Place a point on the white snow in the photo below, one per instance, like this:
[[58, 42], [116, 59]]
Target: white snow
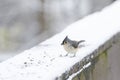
[[43, 62]]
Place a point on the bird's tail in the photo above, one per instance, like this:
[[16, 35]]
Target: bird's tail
[[81, 41]]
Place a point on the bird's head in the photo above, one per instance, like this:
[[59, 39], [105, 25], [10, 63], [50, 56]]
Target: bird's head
[[64, 41]]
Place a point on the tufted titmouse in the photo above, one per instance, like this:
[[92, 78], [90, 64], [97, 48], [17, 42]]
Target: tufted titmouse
[[71, 46]]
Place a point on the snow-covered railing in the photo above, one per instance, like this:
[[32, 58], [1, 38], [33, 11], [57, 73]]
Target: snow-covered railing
[[101, 64], [44, 61]]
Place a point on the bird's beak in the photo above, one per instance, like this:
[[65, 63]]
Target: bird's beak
[[62, 43]]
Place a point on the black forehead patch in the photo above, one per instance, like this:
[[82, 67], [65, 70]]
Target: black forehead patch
[[65, 39]]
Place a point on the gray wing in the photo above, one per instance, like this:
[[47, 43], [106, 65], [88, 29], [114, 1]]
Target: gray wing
[[75, 44]]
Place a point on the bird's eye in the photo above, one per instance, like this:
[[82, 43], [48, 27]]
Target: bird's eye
[[65, 42]]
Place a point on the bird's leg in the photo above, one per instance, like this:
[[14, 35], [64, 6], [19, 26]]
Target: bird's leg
[[67, 54], [74, 55]]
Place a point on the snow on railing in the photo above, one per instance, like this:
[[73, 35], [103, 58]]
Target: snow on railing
[[44, 61]]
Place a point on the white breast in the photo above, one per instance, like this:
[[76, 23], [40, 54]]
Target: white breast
[[70, 49]]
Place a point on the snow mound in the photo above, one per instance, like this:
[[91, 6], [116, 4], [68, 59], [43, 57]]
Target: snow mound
[[44, 62]]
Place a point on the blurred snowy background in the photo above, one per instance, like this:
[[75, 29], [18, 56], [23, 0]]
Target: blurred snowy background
[[25, 23]]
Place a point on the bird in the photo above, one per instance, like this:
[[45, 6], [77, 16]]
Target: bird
[[71, 46]]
